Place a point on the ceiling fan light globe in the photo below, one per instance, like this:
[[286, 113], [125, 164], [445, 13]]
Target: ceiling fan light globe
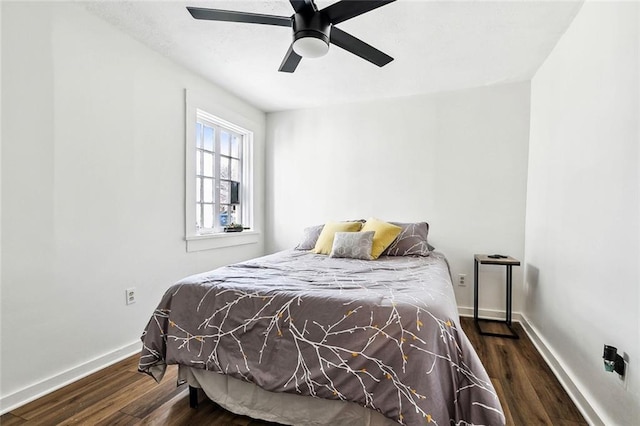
[[310, 47]]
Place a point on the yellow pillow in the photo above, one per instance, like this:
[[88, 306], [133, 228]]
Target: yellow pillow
[[325, 240], [385, 234]]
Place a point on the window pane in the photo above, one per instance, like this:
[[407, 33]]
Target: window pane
[[208, 216], [235, 147], [225, 141], [235, 170], [224, 192], [208, 191], [224, 167], [208, 138], [199, 135], [220, 168], [224, 216], [208, 164], [198, 216]]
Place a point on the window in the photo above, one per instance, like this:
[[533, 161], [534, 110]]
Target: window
[[219, 175]]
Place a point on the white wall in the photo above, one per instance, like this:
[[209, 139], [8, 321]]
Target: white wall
[[582, 228], [456, 160], [92, 191]]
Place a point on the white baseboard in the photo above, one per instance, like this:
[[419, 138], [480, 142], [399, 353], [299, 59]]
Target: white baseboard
[[40, 389], [487, 313]]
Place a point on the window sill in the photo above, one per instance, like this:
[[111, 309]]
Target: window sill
[[221, 240]]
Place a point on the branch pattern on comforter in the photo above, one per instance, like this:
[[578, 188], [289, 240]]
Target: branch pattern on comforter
[[384, 334]]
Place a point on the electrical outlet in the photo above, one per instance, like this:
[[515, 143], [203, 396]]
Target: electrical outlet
[[130, 293], [462, 280]]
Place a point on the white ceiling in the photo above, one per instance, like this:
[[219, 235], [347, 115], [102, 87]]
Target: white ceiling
[[437, 46]]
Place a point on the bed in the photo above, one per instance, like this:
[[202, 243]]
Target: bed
[[303, 338]]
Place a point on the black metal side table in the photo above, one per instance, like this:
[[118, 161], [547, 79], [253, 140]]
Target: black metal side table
[[509, 262]]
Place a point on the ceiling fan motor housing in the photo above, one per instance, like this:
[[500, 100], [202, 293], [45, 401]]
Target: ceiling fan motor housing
[[315, 26]]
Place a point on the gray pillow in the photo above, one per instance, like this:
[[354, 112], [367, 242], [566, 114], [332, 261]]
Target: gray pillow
[[312, 233], [412, 240], [354, 245], [310, 237]]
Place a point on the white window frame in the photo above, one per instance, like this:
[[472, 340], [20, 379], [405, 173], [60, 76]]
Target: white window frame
[[246, 138], [196, 106]]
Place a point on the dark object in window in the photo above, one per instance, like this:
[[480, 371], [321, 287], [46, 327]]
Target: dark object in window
[[235, 192]]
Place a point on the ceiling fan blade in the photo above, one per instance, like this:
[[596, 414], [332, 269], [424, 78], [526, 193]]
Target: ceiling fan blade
[[359, 47], [290, 61], [347, 9], [301, 5], [232, 16]]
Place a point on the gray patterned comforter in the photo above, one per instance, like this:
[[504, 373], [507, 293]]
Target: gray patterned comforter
[[384, 334]]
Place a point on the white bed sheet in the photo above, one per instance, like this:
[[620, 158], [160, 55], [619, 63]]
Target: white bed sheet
[[249, 400]]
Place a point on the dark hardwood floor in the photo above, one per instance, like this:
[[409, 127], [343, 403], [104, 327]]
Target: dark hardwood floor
[[119, 395], [529, 392]]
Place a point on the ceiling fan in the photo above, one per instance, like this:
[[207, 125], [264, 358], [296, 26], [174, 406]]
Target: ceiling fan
[[313, 29]]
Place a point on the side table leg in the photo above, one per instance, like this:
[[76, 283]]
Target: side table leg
[[475, 290], [509, 290]]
